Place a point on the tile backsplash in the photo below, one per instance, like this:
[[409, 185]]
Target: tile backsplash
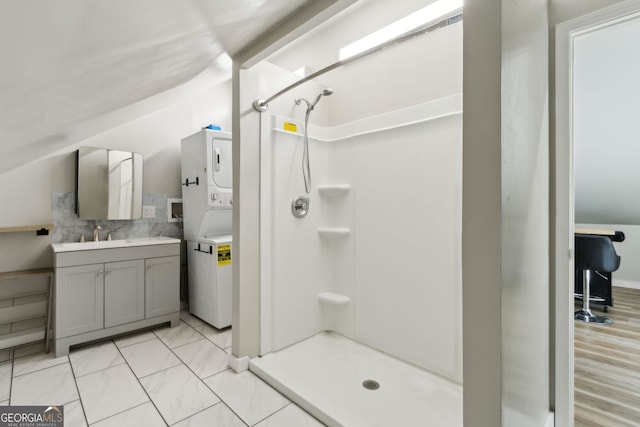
[[67, 227]]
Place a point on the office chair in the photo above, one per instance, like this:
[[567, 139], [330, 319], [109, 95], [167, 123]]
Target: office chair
[[593, 253]]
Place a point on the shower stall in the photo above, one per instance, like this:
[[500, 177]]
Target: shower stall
[[360, 299], [354, 305], [354, 311]]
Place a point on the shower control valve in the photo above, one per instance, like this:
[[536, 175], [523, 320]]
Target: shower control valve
[[300, 206]]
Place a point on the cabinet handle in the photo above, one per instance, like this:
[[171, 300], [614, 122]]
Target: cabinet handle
[[149, 267], [100, 272], [108, 270]]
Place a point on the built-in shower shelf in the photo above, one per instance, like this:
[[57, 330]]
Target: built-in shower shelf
[[334, 190], [334, 232], [333, 298]]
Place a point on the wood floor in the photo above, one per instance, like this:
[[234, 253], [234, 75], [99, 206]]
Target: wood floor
[[607, 365]]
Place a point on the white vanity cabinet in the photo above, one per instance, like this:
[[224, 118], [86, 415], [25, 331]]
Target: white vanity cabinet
[[105, 290]]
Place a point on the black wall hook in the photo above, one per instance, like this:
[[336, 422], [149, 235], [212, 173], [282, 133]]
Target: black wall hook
[[187, 183], [210, 251], [42, 232]]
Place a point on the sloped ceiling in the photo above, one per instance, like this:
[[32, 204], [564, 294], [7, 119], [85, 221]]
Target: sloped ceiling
[[69, 62]]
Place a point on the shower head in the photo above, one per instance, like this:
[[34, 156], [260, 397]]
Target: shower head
[[310, 105], [325, 92]]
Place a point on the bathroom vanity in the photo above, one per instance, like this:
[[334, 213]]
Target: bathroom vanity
[[111, 287]]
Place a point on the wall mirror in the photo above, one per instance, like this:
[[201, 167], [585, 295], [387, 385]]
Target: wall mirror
[[108, 184]]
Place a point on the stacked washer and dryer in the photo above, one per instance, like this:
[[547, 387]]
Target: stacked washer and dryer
[[207, 214]]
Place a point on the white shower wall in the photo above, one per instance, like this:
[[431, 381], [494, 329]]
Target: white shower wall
[[299, 263], [408, 221], [400, 264]]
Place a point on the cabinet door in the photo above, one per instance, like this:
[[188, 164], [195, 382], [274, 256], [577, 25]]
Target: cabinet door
[[123, 292], [79, 299], [162, 285]]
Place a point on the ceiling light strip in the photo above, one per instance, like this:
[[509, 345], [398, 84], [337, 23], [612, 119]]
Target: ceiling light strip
[[424, 17]]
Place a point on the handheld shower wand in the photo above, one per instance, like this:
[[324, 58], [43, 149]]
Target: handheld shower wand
[[306, 168], [300, 205]]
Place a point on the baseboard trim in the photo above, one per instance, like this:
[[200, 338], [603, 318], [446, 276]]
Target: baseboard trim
[[626, 284], [238, 364]]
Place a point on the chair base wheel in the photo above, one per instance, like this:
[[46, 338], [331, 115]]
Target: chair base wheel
[[588, 317]]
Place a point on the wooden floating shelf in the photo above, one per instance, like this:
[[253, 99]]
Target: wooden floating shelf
[[334, 232], [333, 298], [40, 229], [334, 190]]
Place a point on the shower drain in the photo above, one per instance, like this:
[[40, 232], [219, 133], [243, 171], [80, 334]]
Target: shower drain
[[371, 384]]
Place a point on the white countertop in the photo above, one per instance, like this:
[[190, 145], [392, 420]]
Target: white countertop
[[108, 244]]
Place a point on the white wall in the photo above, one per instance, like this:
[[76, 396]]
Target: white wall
[[425, 68], [607, 177], [258, 82], [27, 189], [481, 215], [525, 219], [505, 214], [408, 216], [301, 263]]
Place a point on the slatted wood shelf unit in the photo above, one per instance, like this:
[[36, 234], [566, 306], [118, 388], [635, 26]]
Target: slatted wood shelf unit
[[13, 285]]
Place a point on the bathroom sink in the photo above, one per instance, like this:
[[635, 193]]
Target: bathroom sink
[[105, 244]]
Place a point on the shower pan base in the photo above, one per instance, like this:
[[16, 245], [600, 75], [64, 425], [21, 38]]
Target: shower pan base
[[344, 383]]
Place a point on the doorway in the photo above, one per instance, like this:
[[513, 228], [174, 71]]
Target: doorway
[[567, 34]]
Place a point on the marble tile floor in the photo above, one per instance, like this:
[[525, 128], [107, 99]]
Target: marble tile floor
[[166, 376]]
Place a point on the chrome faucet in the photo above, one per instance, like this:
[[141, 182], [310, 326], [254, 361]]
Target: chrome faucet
[[96, 234]]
